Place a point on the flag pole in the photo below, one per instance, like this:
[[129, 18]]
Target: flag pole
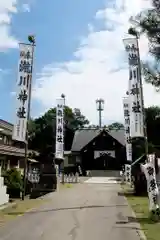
[[64, 97], [31, 39]]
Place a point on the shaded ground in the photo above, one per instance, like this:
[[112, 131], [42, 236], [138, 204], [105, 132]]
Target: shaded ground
[[83, 212], [139, 204]]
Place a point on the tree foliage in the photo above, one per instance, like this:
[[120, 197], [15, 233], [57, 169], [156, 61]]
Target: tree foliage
[[115, 126], [153, 125], [93, 126], [153, 133], [42, 130], [148, 23], [13, 181]]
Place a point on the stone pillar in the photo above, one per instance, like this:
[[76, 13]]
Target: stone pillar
[[4, 197]]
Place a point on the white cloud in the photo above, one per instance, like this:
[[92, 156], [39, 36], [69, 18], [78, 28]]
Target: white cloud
[[25, 7], [4, 71], [13, 94], [100, 68], [7, 8]]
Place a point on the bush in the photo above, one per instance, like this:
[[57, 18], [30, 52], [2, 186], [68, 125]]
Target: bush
[[13, 181]]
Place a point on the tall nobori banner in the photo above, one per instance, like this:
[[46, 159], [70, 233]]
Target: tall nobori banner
[[135, 85], [23, 91], [126, 109], [153, 192], [60, 129]]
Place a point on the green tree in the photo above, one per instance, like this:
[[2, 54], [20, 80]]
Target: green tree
[[42, 130], [13, 181], [148, 23], [153, 133], [153, 125], [93, 126], [116, 126]]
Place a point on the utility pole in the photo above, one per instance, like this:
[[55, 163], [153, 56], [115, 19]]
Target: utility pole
[[100, 108]]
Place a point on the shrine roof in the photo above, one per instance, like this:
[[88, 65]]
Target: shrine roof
[[83, 136]]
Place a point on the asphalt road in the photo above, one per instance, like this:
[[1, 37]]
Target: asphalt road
[[84, 212]]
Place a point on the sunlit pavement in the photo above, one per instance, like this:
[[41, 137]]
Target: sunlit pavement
[[86, 211], [101, 180]]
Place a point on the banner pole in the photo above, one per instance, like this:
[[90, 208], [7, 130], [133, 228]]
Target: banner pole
[[28, 118]]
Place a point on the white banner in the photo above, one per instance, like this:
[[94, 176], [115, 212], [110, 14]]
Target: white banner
[[128, 173], [153, 192], [129, 152], [98, 154], [23, 91], [151, 158], [126, 109], [60, 129], [135, 96]]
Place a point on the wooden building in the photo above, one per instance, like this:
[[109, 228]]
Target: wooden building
[[11, 152], [96, 149]]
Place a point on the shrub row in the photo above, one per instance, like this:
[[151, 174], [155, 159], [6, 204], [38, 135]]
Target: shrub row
[[14, 182]]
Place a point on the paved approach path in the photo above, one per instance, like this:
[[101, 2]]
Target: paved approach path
[[101, 180], [84, 212]]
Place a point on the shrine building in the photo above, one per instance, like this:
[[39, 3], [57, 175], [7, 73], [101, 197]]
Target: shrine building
[[96, 149]]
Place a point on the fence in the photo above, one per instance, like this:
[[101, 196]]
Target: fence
[[70, 178]]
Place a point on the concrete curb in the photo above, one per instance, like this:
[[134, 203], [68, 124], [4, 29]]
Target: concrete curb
[[140, 232], [7, 205]]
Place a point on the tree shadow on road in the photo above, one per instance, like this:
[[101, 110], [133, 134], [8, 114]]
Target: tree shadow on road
[[127, 194], [128, 227], [130, 194], [141, 220]]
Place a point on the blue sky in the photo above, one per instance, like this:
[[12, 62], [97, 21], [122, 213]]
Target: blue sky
[[79, 52], [58, 26]]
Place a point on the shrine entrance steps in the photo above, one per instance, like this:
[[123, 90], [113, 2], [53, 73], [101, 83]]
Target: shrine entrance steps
[[104, 177], [105, 173], [102, 180]]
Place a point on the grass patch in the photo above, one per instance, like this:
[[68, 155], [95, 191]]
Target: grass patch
[[66, 185], [139, 205], [18, 208]]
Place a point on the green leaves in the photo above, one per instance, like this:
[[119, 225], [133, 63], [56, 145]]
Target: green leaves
[[42, 131], [31, 39], [148, 23], [13, 179], [153, 125], [132, 31], [115, 125], [151, 74]]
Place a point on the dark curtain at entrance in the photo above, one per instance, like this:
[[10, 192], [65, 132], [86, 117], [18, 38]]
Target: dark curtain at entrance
[[87, 159], [104, 163]]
